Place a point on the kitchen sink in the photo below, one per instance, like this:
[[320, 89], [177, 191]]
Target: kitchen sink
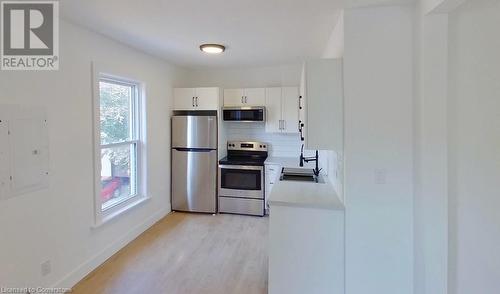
[[299, 175]]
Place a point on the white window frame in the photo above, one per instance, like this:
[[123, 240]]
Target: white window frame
[[139, 126]]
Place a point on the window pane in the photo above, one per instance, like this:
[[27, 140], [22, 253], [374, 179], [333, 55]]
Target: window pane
[[118, 174], [116, 112]]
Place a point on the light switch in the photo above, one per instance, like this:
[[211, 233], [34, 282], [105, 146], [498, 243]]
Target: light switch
[[380, 176]]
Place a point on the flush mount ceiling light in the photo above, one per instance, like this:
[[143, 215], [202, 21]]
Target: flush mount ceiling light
[[212, 48]]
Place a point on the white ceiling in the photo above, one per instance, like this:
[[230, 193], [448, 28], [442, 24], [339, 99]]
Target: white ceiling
[[255, 32]]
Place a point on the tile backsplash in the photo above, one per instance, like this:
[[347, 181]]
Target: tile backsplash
[[283, 145]]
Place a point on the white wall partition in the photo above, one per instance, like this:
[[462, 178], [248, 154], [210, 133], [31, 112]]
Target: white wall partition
[[474, 148], [431, 153], [378, 73]]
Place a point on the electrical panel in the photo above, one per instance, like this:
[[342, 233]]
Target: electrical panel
[[4, 157], [24, 150]]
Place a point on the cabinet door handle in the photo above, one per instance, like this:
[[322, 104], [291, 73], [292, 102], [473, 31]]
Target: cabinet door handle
[[242, 100], [192, 100], [246, 99], [300, 102], [279, 125], [197, 101], [284, 124]]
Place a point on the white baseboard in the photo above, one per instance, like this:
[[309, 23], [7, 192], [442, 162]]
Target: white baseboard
[[87, 267]]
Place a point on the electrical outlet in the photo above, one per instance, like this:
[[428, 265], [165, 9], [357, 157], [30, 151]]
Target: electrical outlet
[[45, 268]]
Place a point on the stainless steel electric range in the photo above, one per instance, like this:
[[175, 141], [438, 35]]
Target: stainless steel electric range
[[241, 178]]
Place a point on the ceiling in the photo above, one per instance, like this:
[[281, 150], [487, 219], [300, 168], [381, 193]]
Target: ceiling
[[255, 32]]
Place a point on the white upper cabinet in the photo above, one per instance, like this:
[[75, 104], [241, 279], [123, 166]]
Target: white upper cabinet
[[234, 97], [282, 110], [290, 109], [255, 96], [196, 98], [245, 97], [184, 98], [322, 104], [273, 110], [302, 109], [207, 98]]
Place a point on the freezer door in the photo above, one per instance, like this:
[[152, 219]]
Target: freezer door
[[194, 132], [194, 177]]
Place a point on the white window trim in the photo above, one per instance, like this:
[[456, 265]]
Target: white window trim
[[100, 216]]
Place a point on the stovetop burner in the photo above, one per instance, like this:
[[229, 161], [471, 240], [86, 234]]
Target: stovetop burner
[[245, 153]]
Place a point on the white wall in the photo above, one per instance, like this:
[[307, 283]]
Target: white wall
[[334, 158], [429, 5], [55, 224], [378, 73], [439, 6], [474, 148], [431, 153], [272, 76], [335, 46]]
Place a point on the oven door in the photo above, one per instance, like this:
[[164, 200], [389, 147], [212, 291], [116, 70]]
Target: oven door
[[241, 181]]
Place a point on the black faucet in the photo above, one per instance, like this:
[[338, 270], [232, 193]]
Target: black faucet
[[308, 159]]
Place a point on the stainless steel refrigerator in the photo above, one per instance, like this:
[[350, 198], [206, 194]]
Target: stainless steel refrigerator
[[194, 162]]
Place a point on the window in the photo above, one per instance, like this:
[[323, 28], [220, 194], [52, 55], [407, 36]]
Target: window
[[118, 166]]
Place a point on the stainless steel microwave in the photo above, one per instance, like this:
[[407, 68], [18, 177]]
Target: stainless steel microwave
[[244, 114]]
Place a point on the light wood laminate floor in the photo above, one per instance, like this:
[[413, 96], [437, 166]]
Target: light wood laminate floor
[[188, 253]]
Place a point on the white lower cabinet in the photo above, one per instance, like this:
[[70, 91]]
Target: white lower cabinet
[[306, 250], [272, 173]]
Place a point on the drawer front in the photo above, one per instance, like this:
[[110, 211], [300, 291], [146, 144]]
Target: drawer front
[[272, 168], [271, 177], [272, 173], [241, 206]]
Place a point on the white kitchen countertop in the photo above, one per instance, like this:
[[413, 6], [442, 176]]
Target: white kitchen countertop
[[305, 194], [283, 161]]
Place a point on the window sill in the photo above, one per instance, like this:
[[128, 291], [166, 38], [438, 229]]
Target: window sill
[[107, 216]]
